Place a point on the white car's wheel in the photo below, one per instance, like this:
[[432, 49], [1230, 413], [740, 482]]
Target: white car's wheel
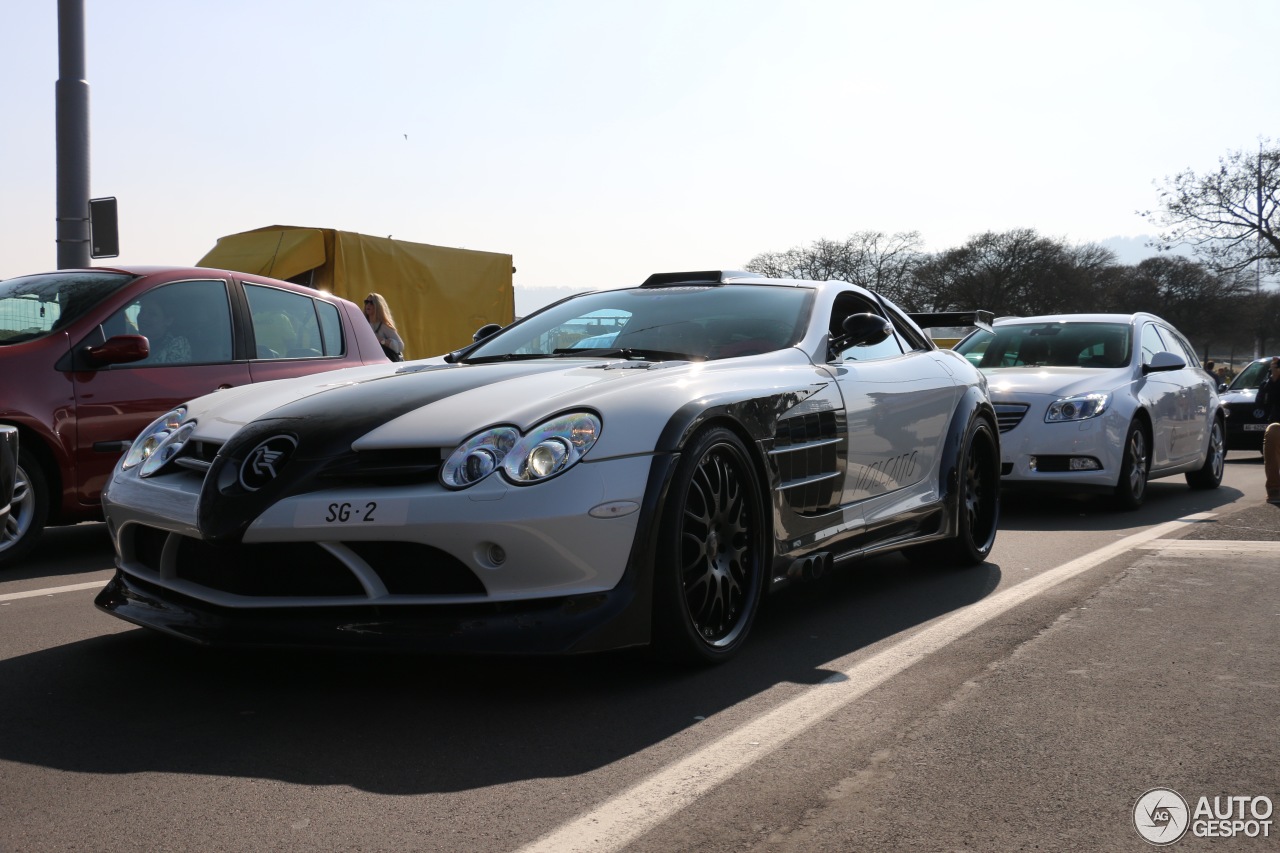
[[1209, 476], [712, 555], [1131, 489]]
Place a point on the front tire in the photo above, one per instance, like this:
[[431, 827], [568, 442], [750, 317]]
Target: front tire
[[28, 510], [712, 555], [1209, 476], [1135, 467]]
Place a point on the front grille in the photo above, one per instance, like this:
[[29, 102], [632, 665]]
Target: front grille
[[269, 570], [304, 569], [384, 467], [197, 455], [1009, 415]]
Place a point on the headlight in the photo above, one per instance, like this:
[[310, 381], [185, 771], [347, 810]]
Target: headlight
[[551, 448], [478, 457], [1078, 408], [160, 432]]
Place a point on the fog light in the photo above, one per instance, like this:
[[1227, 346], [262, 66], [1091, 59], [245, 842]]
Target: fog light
[[497, 555], [1085, 463]]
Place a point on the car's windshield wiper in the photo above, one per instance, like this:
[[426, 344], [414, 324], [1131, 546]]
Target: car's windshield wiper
[[631, 352], [512, 356]]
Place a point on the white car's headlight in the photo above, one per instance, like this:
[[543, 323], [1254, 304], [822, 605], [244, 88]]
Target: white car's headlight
[[551, 448], [478, 457], [1078, 408], [167, 431]]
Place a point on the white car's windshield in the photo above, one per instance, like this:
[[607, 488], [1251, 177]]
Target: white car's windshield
[[693, 323], [1050, 345]]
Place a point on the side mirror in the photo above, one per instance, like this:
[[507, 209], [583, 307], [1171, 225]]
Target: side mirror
[[121, 349], [485, 331], [1163, 362], [862, 330]]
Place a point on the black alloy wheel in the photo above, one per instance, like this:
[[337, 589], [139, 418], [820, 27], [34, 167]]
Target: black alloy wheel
[[712, 556], [978, 504]]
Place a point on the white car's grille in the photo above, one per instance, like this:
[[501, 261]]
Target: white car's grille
[[1009, 415]]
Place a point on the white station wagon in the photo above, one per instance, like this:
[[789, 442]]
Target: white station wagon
[[1100, 402]]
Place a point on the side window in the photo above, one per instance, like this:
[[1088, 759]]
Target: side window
[[1151, 342], [908, 333], [285, 325], [848, 304], [188, 322], [1183, 348], [330, 328]]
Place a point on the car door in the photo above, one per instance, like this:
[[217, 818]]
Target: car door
[[191, 355], [293, 334], [1200, 393], [1164, 395], [899, 399]]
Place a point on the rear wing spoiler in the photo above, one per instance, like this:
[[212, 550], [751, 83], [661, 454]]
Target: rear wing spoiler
[[934, 320]]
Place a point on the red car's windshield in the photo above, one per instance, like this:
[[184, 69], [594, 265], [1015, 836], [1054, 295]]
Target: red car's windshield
[[32, 306]]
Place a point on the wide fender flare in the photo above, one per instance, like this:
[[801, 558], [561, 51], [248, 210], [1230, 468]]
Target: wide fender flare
[[755, 417], [973, 404]]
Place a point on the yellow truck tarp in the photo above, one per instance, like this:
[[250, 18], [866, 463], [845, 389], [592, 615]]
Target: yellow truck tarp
[[439, 296]]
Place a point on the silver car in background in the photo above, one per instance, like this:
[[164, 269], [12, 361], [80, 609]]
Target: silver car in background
[[1100, 402]]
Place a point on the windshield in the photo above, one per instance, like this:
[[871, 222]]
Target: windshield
[[1252, 376], [689, 323], [1050, 345], [35, 305]]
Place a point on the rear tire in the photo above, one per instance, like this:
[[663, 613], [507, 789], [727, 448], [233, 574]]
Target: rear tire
[[978, 499], [712, 554], [28, 510], [1210, 474]]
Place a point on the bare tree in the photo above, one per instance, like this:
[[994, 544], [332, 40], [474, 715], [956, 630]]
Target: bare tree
[[875, 260], [1228, 216], [1014, 272], [1210, 308]]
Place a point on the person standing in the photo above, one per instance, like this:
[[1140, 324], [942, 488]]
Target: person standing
[[1269, 401], [383, 324]]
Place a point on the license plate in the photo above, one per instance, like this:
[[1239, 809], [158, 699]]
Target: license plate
[[1255, 427], [379, 512]]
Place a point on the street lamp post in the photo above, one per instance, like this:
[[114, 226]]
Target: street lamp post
[[71, 93]]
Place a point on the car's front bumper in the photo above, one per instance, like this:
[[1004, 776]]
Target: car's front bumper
[[494, 568], [572, 624], [1034, 453]]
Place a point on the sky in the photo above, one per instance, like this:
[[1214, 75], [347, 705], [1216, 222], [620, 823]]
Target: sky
[[598, 142]]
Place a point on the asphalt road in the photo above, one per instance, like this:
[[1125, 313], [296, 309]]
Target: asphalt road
[[1025, 704]]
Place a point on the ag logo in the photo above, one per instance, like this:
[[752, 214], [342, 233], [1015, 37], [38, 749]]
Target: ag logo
[[264, 462], [1161, 816]]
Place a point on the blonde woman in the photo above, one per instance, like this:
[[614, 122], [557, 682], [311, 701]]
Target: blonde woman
[[384, 326]]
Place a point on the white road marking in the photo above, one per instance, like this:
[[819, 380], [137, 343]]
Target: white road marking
[[53, 590], [623, 818], [1213, 546]]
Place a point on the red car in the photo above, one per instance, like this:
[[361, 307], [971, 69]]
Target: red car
[[90, 357]]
